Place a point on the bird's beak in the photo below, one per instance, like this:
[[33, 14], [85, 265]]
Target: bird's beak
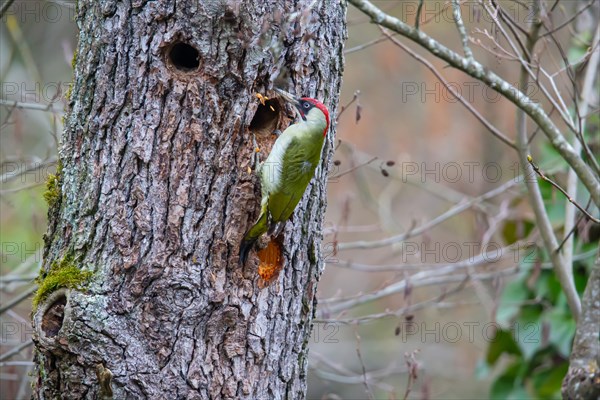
[[286, 96], [291, 99]]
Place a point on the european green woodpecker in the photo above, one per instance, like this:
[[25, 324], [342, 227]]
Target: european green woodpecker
[[287, 171]]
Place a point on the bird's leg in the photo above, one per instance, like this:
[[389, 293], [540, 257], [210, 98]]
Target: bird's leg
[[277, 132]]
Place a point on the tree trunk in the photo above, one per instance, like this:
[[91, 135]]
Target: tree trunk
[[142, 295], [582, 380]]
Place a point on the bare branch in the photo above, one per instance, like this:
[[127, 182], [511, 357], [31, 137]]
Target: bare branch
[[476, 261], [568, 21], [461, 30], [408, 309], [16, 350], [451, 89], [353, 168], [588, 84], [364, 45], [420, 279], [526, 64], [535, 197], [342, 374], [31, 106], [23, 296], [556, 185], [476, 70], [362, 365], [581, 380], [459, 208], [418, 17], [5, 7]]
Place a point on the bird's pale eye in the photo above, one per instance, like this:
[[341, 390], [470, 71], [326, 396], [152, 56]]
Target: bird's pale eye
[[306, 105]]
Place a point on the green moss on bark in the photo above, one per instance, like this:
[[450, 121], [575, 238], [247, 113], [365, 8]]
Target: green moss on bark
[[53, 192], [62, 274]]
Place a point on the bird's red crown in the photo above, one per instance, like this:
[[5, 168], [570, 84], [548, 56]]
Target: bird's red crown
[[323, 109]]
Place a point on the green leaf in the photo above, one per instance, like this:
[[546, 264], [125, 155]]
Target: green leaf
[[578, 49], [514, 230], [527, 330], [507, 385], [519, 393], [548, 287], [562, 331], [510, 301], [581, 277], [574, 54], [502, 343], [547, 382], [502, 387]]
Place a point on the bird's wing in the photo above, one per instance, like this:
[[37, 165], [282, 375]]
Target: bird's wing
[[297, 169]]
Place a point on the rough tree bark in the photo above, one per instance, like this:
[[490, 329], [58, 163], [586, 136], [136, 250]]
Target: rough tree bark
[[583, 377], [154, 196]]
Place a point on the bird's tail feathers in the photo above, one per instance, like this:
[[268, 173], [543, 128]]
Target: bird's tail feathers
[[259, 228]]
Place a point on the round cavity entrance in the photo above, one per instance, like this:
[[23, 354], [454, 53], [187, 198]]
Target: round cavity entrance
[[53, 317], [184, 57]]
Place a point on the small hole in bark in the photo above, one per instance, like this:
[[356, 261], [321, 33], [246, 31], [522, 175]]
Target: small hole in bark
[[266, 118], [53, 317], [184, 57]]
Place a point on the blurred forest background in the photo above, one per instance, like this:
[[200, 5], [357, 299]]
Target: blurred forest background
[[435, 285]]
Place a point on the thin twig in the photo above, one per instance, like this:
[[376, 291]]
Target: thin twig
[[571, 231], [459, 208], [342, 374], [408, 309], [18, 299], [345, 107], [5, 7], [413, 367], [457, 95], [556, 185], [476, 261], [16, 350], [362, 365], [353, 168], [579, 143], [30, 106], [544, 225], [487, 76], [569, 20], [510, 23], [418, 17], [461, 30], [420, 279], [364, 45], [526, 64]]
